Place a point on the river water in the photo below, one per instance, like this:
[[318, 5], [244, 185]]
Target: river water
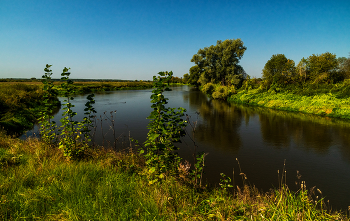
[[259, 140]]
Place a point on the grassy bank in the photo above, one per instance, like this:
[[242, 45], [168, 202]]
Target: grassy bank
[[20, 105], [37, 182], [325, 100], [88, 87], [320, 104]]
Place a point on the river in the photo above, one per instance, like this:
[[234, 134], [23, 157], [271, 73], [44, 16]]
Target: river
[[259, 139]]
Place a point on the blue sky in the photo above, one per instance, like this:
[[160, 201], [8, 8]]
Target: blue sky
[[137, 39]]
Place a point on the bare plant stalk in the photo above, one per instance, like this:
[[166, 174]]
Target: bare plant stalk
[[103, 136], [94, 132], [130, 140], [283, 171], [233, 178]]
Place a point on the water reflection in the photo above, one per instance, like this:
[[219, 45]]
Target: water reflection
[[219, 125], [280, 128], [262, 138]]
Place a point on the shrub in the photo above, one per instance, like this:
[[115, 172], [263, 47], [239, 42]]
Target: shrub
[[208, 89], [222, 92]]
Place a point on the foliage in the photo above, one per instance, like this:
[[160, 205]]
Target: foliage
[[20, 106], [72, 144], [221, 93], [69, 135], [225, 181], [197, 173], [166, 127], [279, 69], [87, 123], [186, 78], [219, 63], [47, 126], [194, 76], [208, 89], [323, 103], [320, 67], [344, 66]]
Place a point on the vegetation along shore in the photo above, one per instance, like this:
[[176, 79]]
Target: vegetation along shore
[[319, 84], [22, 99], [62, 177]]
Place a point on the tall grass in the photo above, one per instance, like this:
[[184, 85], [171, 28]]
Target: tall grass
[[19, 105], [37, 182]]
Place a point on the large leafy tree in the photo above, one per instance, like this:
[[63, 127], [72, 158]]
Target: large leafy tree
[[219, 63], [321, 66], [278, 67], [344, 66]]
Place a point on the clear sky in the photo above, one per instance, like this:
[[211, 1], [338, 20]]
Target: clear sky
[[136, 39]]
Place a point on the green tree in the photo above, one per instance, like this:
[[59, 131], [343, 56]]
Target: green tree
[[321, 67], [344, 66], [219, 63], [301, 70], [279, 68], [194, 75], [186, 78]]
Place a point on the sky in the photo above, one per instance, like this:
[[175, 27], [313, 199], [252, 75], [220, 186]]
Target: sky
[[134, 40]]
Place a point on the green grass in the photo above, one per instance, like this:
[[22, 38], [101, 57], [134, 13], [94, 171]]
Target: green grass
[[319, 104], [37, 182], [19, 106], [88, 87]]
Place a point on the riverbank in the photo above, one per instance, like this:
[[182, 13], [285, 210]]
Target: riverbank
[[20, 105], [325, 105], [21, 102], [328, 100], [38, 182], [91, 87]]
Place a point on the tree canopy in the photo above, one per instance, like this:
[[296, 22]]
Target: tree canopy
[[278, 66], [323, 64], [344, 66], [218, 63]]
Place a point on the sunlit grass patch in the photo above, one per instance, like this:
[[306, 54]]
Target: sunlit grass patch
[[323, 104]]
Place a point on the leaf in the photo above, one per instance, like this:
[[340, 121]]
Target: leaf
[[152, 170]]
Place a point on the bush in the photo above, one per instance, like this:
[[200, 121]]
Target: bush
[[208, 89], [222, 92]]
